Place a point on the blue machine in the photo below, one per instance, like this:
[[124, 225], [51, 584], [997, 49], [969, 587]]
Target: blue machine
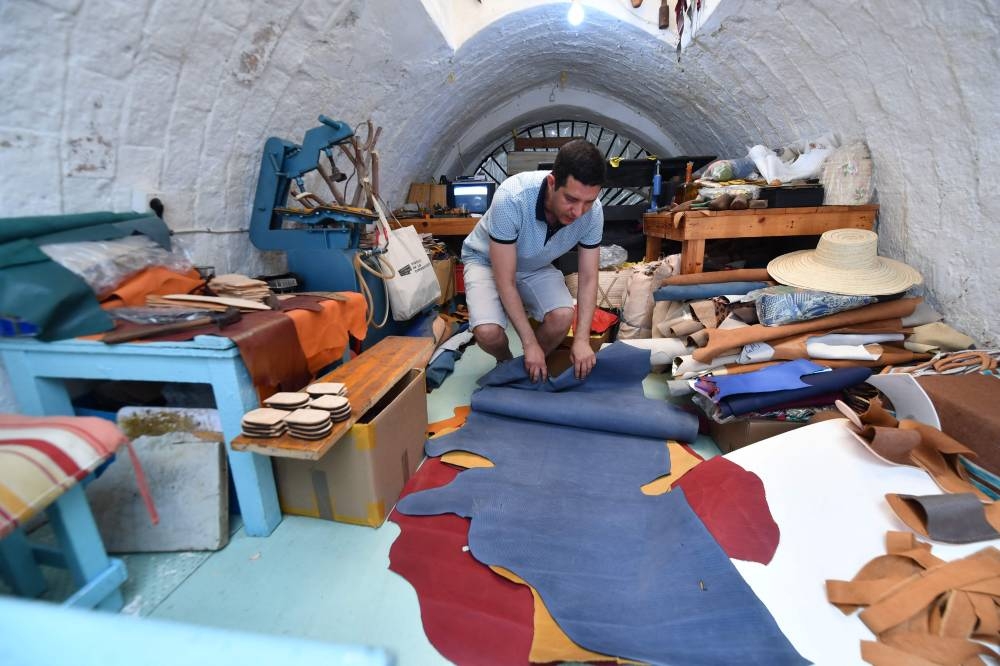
[[320, 241]]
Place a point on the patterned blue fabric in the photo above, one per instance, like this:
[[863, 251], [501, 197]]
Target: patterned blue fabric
[[687, 292], [781, 304], [609, 399], [511, 218], [622, 573]]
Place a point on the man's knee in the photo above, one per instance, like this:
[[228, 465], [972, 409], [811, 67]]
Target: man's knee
[[560, 319], [489, 335]]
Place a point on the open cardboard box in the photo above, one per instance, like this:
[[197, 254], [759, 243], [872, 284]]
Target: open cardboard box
[[558, 361], [359, 480]]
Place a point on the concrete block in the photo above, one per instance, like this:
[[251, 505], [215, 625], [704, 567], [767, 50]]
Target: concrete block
[[147, 114], [30, 166], [85, 195], [107, 35], [187, 478], [92, 127], [139, 167], [171, 22], [32, 82]]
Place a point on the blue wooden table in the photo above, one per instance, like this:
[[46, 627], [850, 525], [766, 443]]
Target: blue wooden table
[[38, 371]]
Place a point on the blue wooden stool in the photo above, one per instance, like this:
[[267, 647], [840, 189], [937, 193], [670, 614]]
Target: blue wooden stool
[[42, 461]]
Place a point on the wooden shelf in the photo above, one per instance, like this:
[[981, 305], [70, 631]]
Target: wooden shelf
[[368, 377], [441, 226], [693, 227]]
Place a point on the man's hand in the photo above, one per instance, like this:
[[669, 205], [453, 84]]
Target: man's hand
[[534, 362], [583, 357]]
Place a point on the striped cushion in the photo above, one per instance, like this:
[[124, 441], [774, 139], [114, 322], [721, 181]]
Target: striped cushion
[[42, 457]]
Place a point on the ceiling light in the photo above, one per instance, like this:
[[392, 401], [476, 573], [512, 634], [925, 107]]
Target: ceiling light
[[575, 14]]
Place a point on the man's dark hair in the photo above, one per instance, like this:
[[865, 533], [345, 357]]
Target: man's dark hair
[[582, 160]]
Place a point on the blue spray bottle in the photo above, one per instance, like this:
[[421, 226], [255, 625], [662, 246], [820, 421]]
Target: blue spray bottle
[[654, 195]]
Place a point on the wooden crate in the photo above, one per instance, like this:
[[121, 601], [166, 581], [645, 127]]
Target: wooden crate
[[428, 195]]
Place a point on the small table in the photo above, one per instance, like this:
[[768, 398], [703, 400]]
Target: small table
[[441, 226], [38, 371], [693, 227], [368, 378]]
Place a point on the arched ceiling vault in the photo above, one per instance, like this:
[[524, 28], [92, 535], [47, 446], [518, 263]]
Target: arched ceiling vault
[[178, 96]]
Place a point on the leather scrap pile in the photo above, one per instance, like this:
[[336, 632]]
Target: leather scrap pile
[[922, 609], [239, 286]]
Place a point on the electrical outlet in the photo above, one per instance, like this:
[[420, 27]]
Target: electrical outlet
[[141, 199]]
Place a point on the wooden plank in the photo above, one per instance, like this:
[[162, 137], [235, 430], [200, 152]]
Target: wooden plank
[[776, 222], [368, 377], [692, 256], [441, 226], [661, 225], [547, 143], [428, 195], [758, 223]]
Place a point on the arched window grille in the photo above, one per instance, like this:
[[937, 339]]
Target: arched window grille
[[609, 142]]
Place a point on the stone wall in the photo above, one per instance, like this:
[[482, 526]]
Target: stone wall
[[106, 101]]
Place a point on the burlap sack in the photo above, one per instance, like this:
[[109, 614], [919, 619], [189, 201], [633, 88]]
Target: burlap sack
[[637, 312]]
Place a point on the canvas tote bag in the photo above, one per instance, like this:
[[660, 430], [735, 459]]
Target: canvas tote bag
[[415, 285]]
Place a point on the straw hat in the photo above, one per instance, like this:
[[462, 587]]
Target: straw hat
[[845, 261]]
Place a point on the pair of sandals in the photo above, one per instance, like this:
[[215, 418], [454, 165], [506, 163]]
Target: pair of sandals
[[964, 514]]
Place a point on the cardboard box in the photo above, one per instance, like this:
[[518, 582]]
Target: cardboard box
[[909, 400], [558, 361], [744, 431], [359, 480]]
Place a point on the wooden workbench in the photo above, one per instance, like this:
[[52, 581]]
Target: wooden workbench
[[441, 226], [693, 227], [368, 377]]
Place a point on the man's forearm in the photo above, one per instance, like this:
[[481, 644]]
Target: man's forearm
[[586, 302]]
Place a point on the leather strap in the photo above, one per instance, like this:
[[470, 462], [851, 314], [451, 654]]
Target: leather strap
[[910, 598]]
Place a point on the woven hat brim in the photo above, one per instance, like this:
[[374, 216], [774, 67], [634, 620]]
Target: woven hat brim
[[800, 269]]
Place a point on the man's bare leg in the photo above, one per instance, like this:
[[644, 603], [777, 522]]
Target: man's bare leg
[[554, 328], [492, 339]]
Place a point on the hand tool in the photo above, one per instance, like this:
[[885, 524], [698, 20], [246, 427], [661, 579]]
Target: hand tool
[[220, 319]]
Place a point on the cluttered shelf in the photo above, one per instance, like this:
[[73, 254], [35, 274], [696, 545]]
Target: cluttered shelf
[[693, 227]]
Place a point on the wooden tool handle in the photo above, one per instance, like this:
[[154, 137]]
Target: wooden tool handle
[[146, 331]]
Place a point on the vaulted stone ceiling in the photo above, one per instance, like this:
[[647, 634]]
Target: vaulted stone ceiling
[[104, 99]]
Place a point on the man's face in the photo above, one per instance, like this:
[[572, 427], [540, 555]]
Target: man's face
[[570, 201]]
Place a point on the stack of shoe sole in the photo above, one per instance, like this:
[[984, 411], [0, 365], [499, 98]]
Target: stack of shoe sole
[[288, 401], [309, 423], [264, 422], [326, 388], [338, 406]]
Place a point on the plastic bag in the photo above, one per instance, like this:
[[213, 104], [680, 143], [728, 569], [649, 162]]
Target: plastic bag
[[104, 265], [721, 170], [798, 161], [847, 177], [612, 255], [637, 313]]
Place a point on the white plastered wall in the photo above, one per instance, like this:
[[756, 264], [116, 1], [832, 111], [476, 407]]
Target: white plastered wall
[[106, 98]]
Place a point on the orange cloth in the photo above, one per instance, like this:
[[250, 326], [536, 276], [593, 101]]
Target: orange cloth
[[323, 336], [155, 280]]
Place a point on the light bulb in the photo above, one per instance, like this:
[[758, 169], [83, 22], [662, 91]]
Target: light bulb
[[575, 14]]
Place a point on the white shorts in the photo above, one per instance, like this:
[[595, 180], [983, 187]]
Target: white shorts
[[541, 291]]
